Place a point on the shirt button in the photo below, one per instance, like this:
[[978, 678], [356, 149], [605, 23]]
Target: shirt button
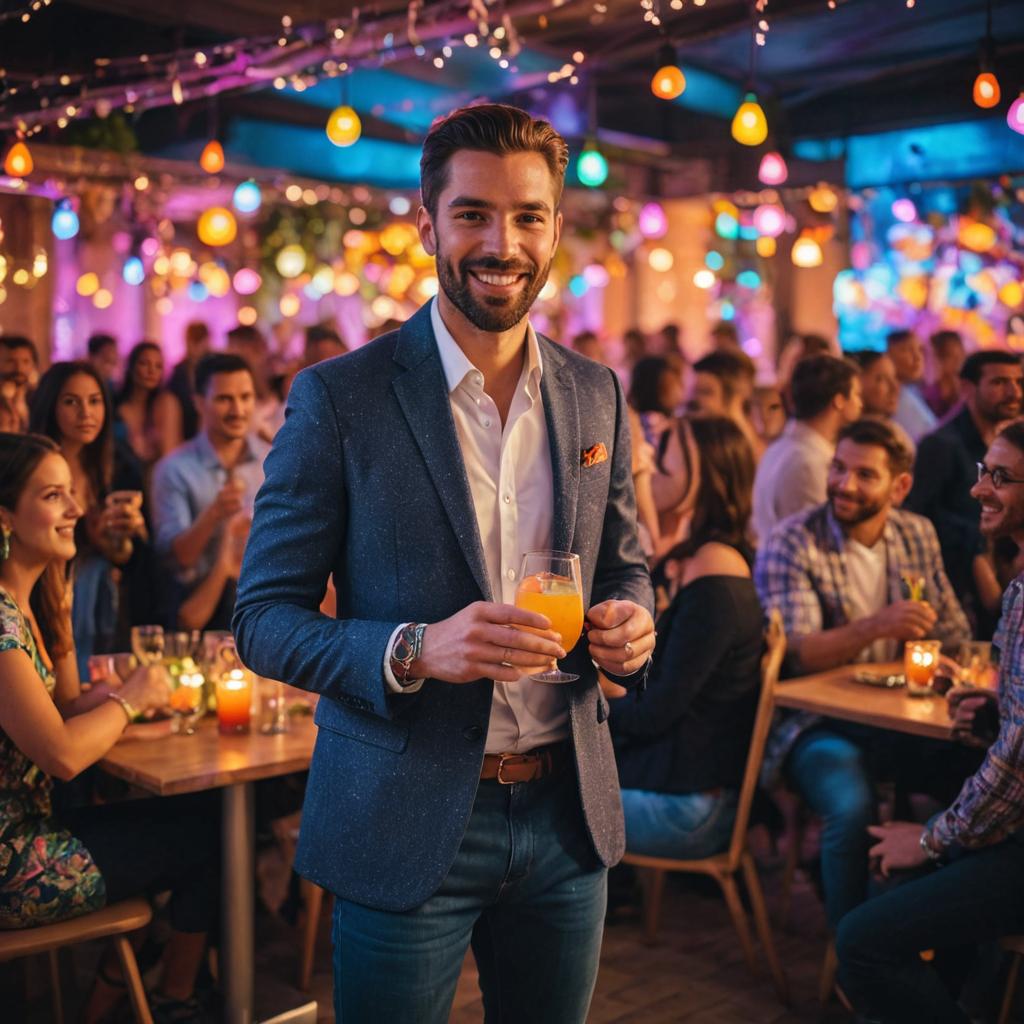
[[486, 423], [507, 499], [511, 574]]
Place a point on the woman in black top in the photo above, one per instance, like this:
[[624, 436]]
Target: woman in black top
[[682, 745]]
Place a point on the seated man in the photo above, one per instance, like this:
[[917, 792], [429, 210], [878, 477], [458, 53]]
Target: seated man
[[837, 574], [979, 895], [206, 489]]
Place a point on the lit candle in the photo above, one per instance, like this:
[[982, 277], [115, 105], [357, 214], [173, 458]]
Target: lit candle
[[234, 699], [920, 660]]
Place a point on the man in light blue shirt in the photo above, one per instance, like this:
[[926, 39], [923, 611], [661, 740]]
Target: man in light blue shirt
[[904, 348], [204, 491]]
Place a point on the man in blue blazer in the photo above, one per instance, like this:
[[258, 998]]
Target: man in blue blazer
[[452, 798]]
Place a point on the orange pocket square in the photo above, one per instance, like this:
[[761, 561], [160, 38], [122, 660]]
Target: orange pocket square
[[594, 455]]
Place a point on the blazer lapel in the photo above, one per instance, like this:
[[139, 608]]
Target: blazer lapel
[[422, 393], [561, 410]]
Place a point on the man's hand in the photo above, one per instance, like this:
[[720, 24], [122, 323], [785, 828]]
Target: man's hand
[[965, 703], [898, 848], [229, 500], [905, 620], [487, 641], [613, 626]]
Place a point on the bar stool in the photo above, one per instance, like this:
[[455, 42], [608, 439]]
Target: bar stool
[[116, 921]]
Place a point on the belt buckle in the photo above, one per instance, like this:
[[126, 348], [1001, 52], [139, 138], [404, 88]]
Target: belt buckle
[[502, 758]]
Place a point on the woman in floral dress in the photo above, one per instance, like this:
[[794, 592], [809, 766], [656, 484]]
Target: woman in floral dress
[[55, 869]]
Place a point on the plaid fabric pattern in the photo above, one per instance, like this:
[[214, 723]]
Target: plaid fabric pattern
[[801, 571], [991, 803]]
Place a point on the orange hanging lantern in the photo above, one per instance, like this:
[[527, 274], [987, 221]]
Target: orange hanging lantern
[[212, 158], [18, 163]]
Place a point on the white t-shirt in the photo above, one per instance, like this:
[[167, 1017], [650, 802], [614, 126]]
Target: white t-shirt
[[867, 574]]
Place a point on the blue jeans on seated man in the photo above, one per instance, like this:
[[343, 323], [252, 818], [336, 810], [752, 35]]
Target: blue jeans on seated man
[[683, 826], [976, 898], [830, 771], [528, 890]]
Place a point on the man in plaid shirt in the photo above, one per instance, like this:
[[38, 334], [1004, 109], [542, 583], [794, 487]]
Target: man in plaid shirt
[[978, 895], [842, 575]]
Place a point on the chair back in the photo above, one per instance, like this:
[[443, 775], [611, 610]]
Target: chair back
[[771, 664]]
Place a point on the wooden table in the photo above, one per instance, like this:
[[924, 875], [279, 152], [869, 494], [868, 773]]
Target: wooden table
[[170, 765], [836, 695]]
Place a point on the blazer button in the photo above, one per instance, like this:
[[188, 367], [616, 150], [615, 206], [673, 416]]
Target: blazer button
[[472, 732]]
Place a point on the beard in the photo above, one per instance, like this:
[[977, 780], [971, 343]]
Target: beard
[[492, 313], [863, 510]]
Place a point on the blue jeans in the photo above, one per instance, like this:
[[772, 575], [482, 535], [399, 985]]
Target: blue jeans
[[525, 887], [977, 898], [682, 825], [830, 772]]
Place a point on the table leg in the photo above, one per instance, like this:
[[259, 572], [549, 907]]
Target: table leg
[[237, 856]]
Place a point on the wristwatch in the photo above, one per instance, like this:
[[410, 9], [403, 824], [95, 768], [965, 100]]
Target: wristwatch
[[935, 856], [405, 650]]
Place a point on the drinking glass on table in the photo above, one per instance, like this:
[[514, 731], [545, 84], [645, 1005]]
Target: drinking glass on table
[[920, 663], [975, 661], [182, 644], [550, 584], [148, 643], [188, 702]]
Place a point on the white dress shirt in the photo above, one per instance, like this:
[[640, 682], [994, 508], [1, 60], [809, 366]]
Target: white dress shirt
[[510, 480]]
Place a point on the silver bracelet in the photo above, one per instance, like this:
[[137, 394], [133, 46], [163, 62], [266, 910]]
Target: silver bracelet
[[125, 706]]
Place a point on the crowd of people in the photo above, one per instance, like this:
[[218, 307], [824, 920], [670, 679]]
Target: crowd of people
[[127, 501]]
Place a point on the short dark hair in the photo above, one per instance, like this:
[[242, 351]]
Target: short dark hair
[[489, 128], [976, 362], [246, 334], [321, 332], [729, 367], [898, 336], [815, 345], [865, 358], [874, 432], [98, 342], [12, 342], [816, 381], [1014, 433], [942, 341], [218, 362]]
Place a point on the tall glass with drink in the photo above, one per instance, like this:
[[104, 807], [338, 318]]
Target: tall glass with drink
[[550, 584]]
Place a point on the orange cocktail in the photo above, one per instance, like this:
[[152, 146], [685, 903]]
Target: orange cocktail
[[559, 599]]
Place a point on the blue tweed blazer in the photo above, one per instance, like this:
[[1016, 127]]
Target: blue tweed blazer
[[366, 481]]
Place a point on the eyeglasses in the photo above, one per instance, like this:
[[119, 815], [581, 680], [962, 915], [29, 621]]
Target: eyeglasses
[[998, 475]]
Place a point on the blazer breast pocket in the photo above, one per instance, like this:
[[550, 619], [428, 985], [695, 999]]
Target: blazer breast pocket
[[361, 726]]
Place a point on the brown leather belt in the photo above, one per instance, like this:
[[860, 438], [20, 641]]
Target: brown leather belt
[[527, 767]]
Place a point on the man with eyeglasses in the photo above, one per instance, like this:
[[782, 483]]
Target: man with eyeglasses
[[974, 892], [944, 473]]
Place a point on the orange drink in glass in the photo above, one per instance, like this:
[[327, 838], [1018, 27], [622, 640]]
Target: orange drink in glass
[[920, 663], [550, 584]]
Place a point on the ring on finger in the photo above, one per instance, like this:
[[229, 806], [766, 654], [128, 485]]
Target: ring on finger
[[506, 658], [628, 648]]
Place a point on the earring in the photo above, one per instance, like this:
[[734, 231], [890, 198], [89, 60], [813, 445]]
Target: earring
[[5, 544]]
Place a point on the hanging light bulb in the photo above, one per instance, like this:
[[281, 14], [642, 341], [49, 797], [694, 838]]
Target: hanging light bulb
[[1015, 115], [668, 81], [986, 90], [806, 252], [773, 169], [18, 162], [750, 126], [247, 197], [770, 220], [343, 126], [822, 199], [133, 272], [217, 226], [212, 158], [591, 167], [65, 221]]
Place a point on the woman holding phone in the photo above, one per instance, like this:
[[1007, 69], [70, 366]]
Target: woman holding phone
[[56, 866], [72, 407]]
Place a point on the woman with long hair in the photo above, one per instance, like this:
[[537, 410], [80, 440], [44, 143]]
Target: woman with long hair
[[72, 407], [681, 749], [55, 869], [149, 415]]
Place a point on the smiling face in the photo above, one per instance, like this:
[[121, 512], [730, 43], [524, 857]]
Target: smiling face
[[861, 483], [494, 235], [997, 395], [80, 410], [42, 523], [1002, 509], [228, 405]]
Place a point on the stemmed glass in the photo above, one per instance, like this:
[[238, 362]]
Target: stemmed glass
[[550, 583], [148, 643]]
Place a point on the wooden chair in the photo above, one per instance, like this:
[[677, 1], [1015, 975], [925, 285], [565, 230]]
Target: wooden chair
[[312, 901], [116, 921], [724, 867], [1014, 945]]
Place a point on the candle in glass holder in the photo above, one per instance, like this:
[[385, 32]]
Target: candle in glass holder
[[920, 662], [234, 700]]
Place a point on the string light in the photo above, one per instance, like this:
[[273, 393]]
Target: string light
[[749, 125], [344, 126], [18, 163], [212, 158], [668, 82], [1015, 115], [773, 169], [806, 252], [592, 168], [247, 197], [64, 223], [217, 226], [986, 90]]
